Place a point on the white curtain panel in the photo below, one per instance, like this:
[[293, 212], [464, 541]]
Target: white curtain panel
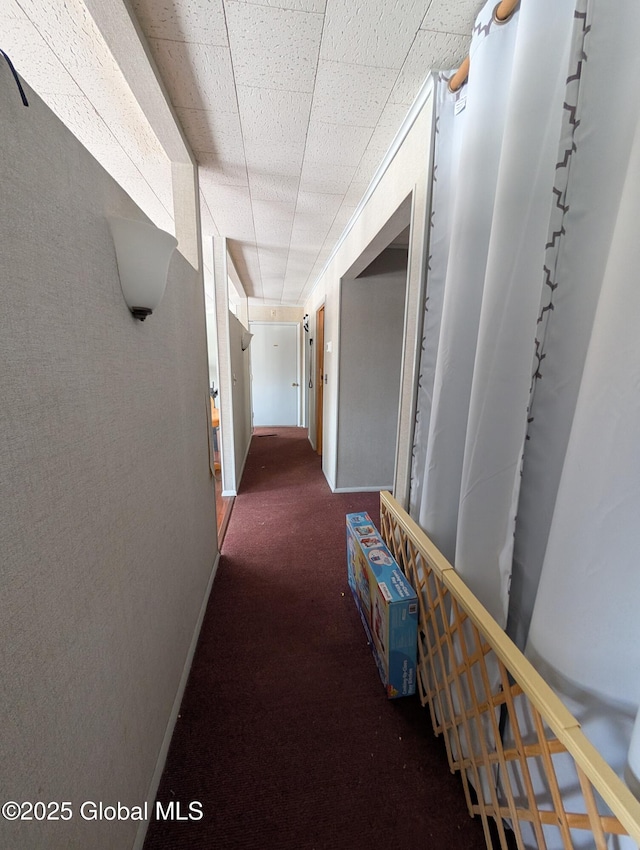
[[527, 459], [464, 266], [449, 121]]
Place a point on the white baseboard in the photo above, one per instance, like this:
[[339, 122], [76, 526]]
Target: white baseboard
[[362, 489], [166, 741]]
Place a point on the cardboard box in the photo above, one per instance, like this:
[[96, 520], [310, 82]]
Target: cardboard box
[[387, 604]]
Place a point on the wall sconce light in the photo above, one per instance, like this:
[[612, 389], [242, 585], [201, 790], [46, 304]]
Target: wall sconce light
[[143, 252], [246, 340]]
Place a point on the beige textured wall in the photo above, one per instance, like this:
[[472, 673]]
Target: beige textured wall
[[371, 330], [262, 313], [241, 394], [107, 529]]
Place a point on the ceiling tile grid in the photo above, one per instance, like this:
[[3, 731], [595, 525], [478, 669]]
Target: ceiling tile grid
[[288, 105]]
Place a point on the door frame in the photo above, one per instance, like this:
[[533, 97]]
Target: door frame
[[319, 376]]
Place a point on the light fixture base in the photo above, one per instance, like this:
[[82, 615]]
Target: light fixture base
[[140, 313]]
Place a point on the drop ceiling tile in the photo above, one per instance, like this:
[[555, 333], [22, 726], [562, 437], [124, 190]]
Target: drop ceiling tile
[[272, 235], [273, 48], [333, 144], [273, 187], [381, 139], [451, 17], [297, 5], [197, 76], [371, 34], [304, 238], [272, 266], [11, 11], [274, 116], [356, 192], [307, 221], [230, 208], [273, 221], [351, 94], [82, 46], [320, 179], [392, 116], [202, 23], [369, 164], [274, 210], [430, 51], [213, 131], [33, 58], [221, 172], [273, 159], [312, 203]]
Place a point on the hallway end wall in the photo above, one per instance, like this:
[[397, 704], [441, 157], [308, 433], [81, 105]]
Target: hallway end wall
[[107, 504]]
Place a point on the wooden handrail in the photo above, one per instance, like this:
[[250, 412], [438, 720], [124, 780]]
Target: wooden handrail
[[501, 15]]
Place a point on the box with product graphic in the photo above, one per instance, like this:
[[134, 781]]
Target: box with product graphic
[[387, 604]]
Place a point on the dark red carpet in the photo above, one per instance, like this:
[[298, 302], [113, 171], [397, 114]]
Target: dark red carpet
[[286, 736]]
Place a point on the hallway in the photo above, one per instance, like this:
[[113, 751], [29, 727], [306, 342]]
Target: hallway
[[285, 736]]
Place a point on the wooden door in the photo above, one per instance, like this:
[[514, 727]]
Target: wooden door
[[319, 376]]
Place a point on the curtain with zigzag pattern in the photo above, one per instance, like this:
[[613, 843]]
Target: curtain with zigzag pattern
[[526, 460]]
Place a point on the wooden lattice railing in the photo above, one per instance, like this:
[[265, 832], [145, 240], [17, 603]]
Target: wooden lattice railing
[[524, 762]]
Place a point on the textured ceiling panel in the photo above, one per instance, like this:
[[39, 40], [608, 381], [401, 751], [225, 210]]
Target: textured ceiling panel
[[33, 58], [336, 144], [273, 115], [296, 5], [445, 16], [366, 33], [197, 76], [351, 94], [436, 50], [315, 177], [198, 21], [213, 131], [230, 209], [288, 105], [273, 48]]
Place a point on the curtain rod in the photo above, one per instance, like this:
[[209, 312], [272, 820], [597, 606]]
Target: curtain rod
[[501, 15]]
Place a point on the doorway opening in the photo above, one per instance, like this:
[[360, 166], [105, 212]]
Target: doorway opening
[[320, 378], [373, 297]]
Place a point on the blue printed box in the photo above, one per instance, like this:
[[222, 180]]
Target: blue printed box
[[387, 604]]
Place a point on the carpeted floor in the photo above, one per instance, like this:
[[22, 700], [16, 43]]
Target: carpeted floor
[[285, 734]]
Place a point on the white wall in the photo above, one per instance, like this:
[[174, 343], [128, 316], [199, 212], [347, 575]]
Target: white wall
[[404, 179], [241, 395], [107, 504], [371, 332]]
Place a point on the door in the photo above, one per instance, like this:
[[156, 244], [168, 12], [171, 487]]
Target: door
[[275, 380], [319, 376]]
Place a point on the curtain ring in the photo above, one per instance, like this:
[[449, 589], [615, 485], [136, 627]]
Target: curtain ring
[[498, 20]]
